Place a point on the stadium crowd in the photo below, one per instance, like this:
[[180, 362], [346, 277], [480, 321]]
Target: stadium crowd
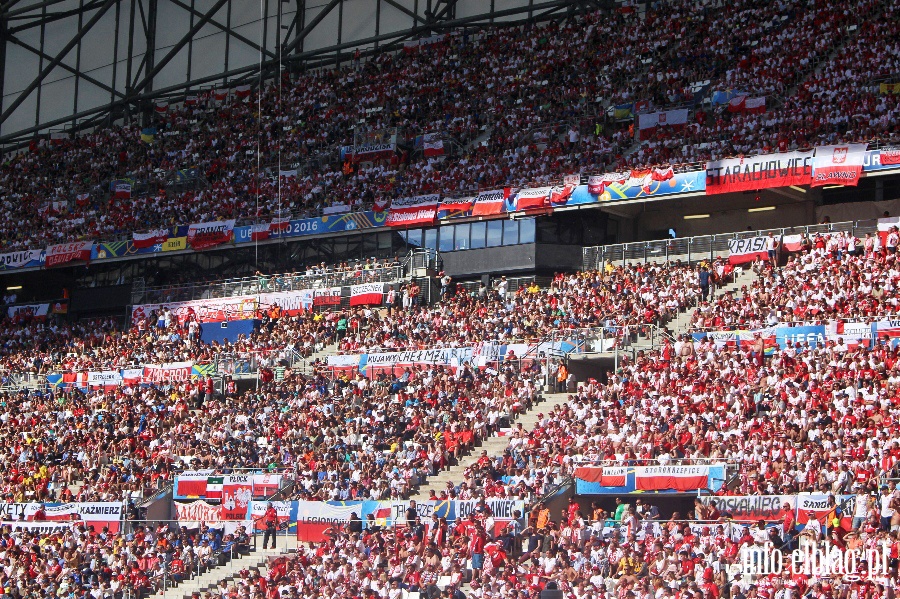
[[809, 417], [816, 417], [842, 277], [831, 95], [79, 561], [201, 162]]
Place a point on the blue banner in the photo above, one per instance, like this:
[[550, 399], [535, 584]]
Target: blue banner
[[680, 183], [724, 97], [807, 334], [337, 223], [872, 162]]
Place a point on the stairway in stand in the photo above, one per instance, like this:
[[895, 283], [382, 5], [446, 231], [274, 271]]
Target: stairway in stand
[[741, 277], [209, 580], [493, 445]]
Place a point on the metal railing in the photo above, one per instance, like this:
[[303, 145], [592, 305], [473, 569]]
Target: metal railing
[[703, 247], [237, 364], [653, 462], [268, 283]]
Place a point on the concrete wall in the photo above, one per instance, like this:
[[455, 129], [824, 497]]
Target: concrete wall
[[658, 217]]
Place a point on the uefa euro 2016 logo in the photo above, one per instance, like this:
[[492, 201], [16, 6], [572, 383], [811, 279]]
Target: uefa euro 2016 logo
[[814, 559]]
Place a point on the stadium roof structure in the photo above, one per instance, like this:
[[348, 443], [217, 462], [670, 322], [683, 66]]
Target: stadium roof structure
[[74, 64]]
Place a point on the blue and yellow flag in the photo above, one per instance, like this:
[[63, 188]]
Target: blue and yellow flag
[[148, 134], [623, 111]]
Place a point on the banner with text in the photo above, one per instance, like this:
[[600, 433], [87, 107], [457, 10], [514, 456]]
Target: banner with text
[[207, 310], [417, 210], [21, 259], [206, 235], [759, 172], [366, 294], [64, 253], [838, 165], [600, 480], [749, 249]]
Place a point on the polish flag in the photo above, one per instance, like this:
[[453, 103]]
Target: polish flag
[[607, 476], [149, 238], [755, 105], [737, 104], [260, 231], [662, 174]]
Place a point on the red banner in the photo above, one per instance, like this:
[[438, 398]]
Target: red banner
[[597, 184], [168, 373], [456, 204], [188, 485], [122, 191], [759, 172], [889, 155], [64, 253], [678, 478], [265, 485], [366, 294], [838, 165], [209, 310], [327, 297], [607, 476], [374, 152], [206, 235], [259, 232], [416, 210]]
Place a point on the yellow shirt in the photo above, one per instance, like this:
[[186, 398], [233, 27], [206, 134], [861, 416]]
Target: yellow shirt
[[543, 518]]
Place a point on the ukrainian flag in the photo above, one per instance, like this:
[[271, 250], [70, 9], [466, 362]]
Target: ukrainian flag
[[148, 135], [623, 111]]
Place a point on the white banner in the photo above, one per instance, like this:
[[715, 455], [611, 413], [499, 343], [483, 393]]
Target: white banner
[[501, 509], [86, 511], [291, 302], [336, 209], [749, 249], [196, 513], [265, 484], [664, 118], [68, 252], [853, 333], [445, 355], [41, 528], [348, 361], [319, 511], [209, 310], [19, 259], [35, 310], [104, 379]]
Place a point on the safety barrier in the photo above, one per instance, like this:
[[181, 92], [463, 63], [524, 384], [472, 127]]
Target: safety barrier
[[703, 247]]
